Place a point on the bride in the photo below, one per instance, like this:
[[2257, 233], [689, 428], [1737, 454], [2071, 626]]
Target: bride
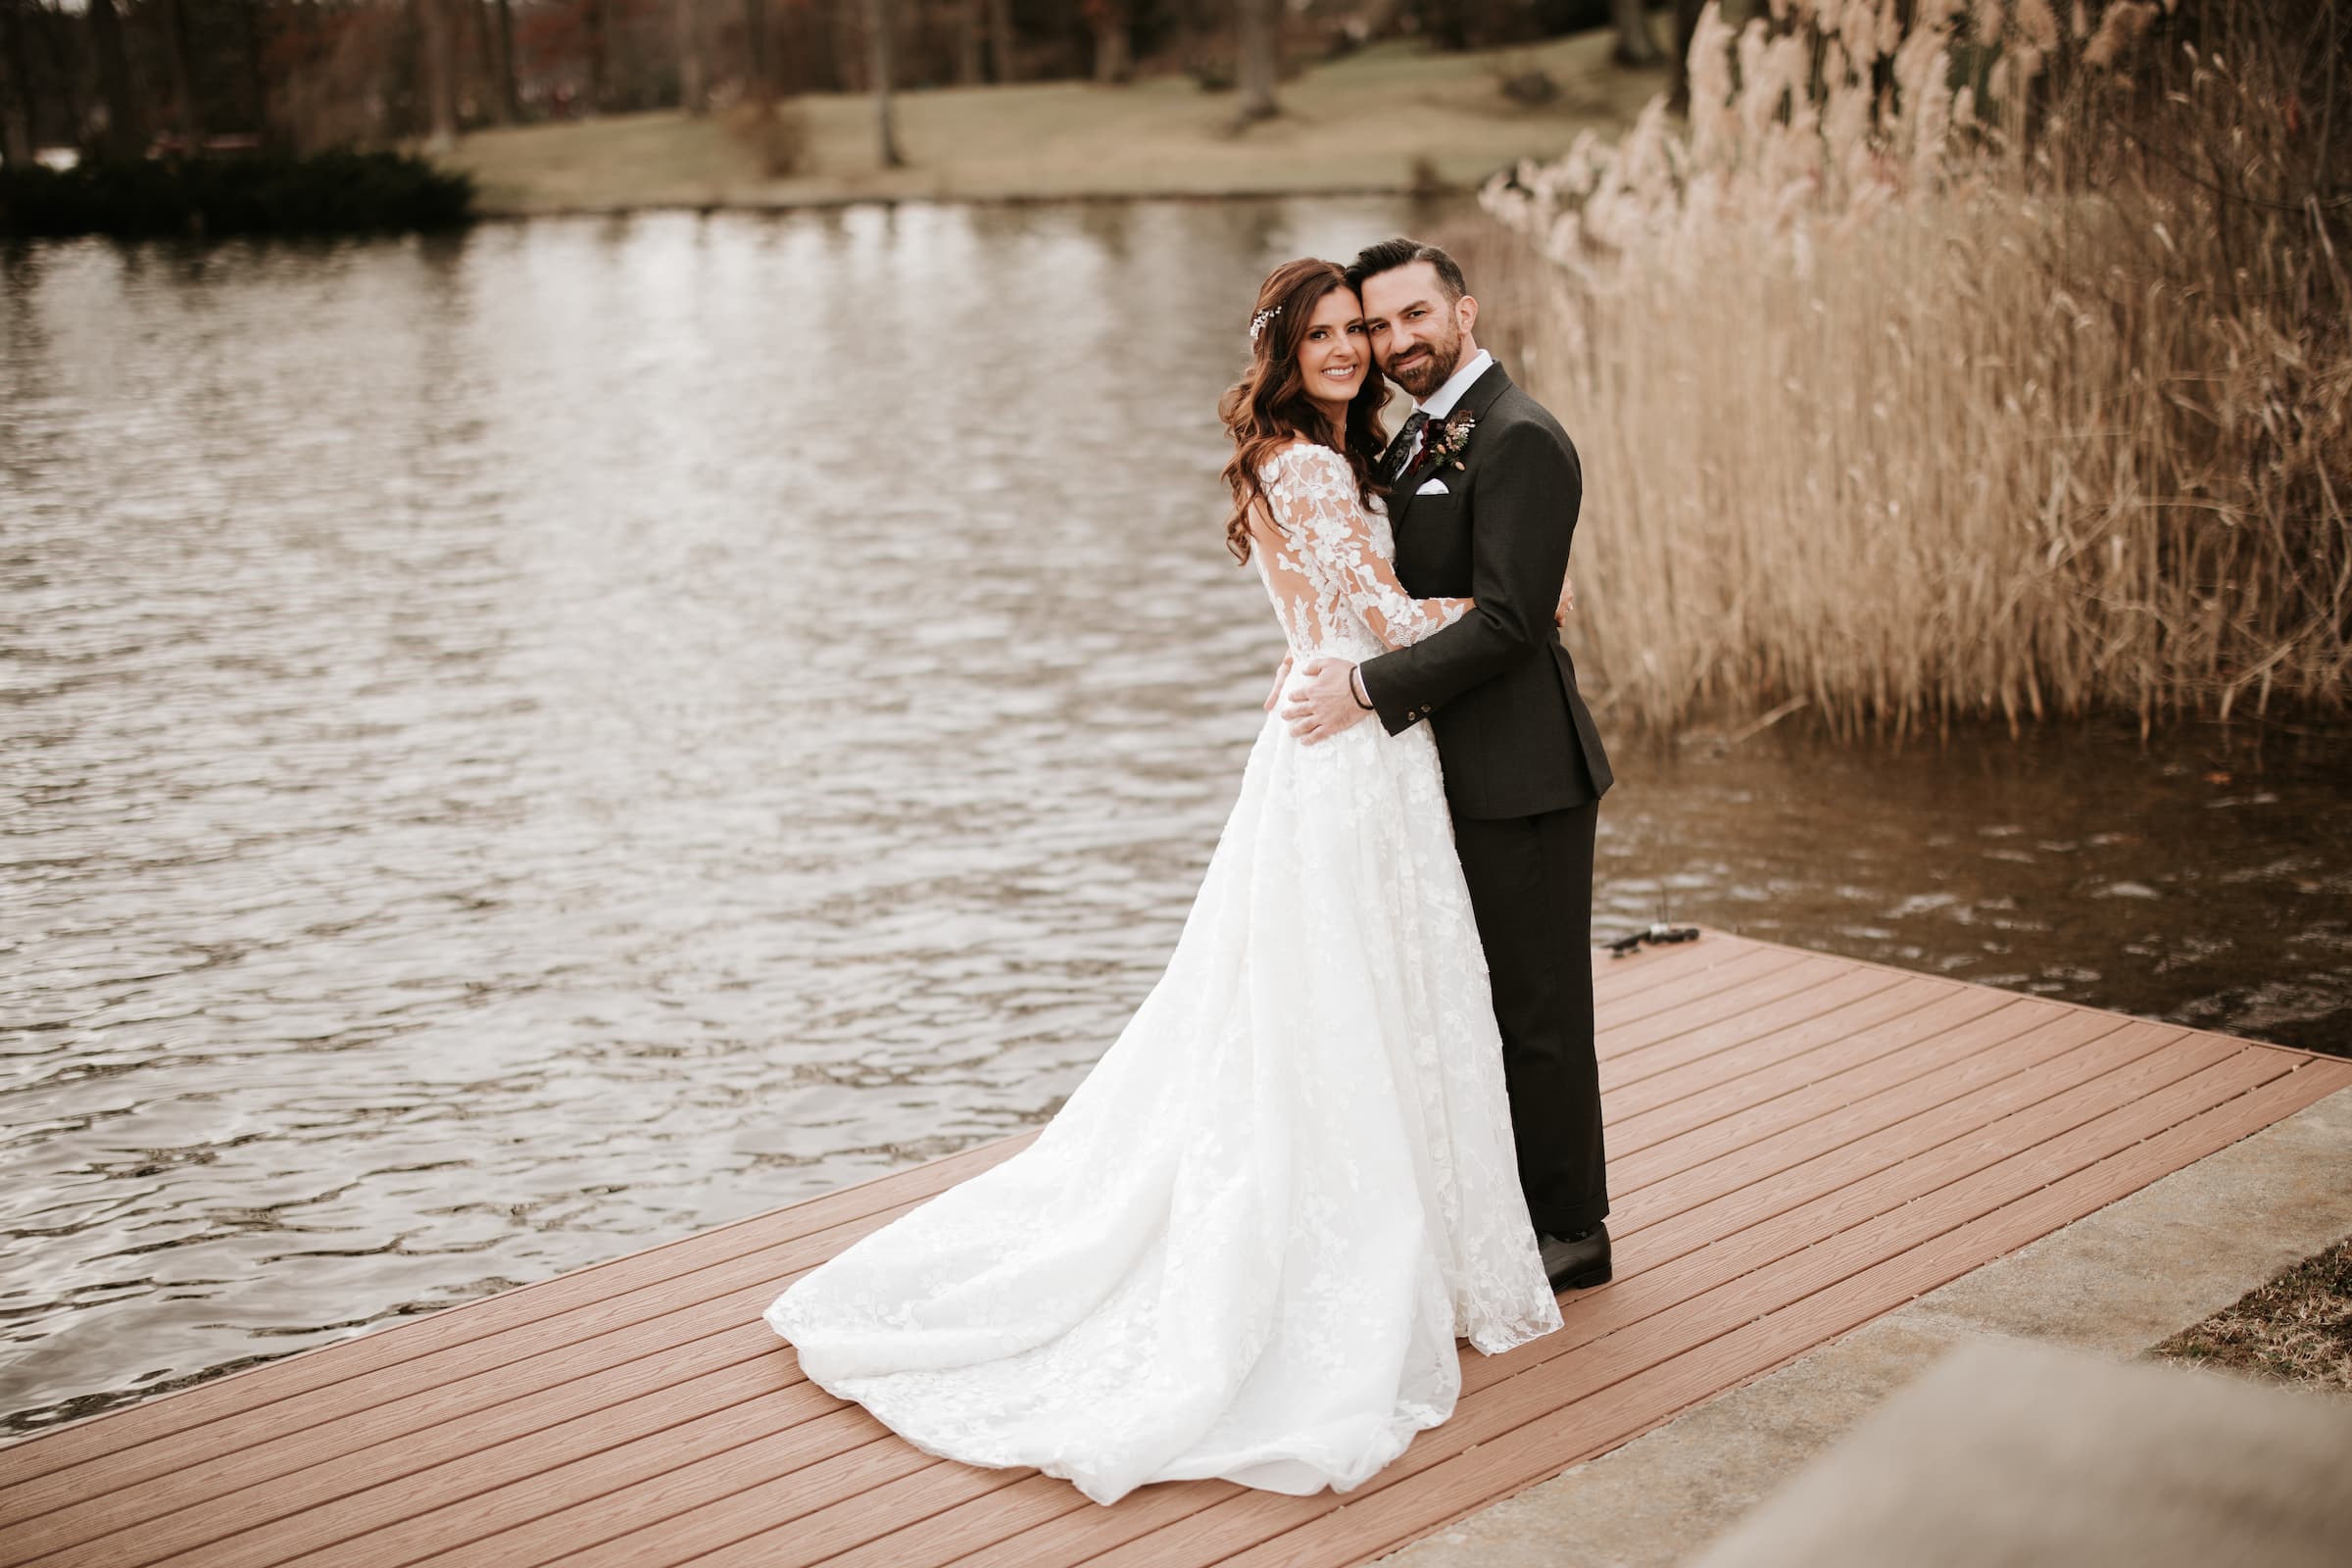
[[1246, 1245]]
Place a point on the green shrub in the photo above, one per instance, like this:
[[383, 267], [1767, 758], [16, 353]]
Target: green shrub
[[256, 193]]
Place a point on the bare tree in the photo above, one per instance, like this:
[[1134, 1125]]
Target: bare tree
[[1000, 40], [1634, 45], [1187, 35], [252, 15], [593, 33], [1114, 60], [494, 38], [63, 65], [1260, 44], [126, 125], [694, 71], [967, 43], [186, 110], [16, 111], [754, 49], [878, 23], [437, 41]]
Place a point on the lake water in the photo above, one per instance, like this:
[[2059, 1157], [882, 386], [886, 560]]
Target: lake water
[[524, 746]]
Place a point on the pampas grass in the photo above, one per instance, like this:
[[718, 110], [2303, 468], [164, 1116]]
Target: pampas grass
[[1989, 364]]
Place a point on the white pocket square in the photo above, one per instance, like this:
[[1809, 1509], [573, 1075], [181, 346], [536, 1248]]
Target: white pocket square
[[1432, 487]]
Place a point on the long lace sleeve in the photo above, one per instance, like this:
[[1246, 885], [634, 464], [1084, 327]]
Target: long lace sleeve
[[1328, 542]]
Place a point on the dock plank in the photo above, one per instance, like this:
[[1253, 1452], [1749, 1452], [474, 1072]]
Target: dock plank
[[1720, 1014], [1796, 1142], [1584, 1429], [1876, 1251], [1793, 1059], [1696, 1038]]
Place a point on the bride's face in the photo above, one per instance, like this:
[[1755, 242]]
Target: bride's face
[[1333, 357]]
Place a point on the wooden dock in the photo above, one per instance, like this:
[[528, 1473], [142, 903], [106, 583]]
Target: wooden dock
[[1798, 1144]]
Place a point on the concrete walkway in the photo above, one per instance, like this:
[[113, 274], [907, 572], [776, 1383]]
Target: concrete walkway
[[2018, 1451], [2112, 1284]]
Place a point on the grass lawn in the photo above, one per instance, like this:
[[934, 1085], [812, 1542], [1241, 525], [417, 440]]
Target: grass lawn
[[1369, 121]]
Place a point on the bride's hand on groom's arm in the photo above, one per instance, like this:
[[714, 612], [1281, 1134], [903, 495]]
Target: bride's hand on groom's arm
[[1560, 613]]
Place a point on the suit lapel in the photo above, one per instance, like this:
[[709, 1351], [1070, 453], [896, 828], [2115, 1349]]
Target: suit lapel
[[1477, 400]]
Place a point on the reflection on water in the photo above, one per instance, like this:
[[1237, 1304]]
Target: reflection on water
[[524, 746], [2205, 879]]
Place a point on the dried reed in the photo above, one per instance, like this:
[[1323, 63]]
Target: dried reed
[[1973, 365]]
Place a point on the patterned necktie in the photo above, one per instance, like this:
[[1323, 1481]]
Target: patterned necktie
[[1401, 451]]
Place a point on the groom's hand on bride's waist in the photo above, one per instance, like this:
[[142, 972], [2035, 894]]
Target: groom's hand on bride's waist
[[1281, 675], [1323, 702]]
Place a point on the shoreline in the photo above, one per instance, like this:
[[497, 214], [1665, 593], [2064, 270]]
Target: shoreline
[[1387, 120], [833, 203]]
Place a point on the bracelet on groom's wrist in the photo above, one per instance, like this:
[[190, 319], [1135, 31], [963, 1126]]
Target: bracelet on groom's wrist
[[1356, 688]]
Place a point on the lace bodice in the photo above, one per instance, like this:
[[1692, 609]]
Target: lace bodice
[[1329, 562]]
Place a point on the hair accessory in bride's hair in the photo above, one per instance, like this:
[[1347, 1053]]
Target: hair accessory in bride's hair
[[1257, 322]]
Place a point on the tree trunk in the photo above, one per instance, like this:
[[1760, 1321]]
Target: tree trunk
[[1188, 36], [510, 78], [1000, 40], [257, 79], [967, 43], [489, 38], [16, 125], [877, 22], [754, 48], [61, 67], [438, 43], [126, 127], [1634, 45], [1260, 46], [848, 30], [591, 43], [18, 114], [1114, 60], [694, 74], [185, 109]]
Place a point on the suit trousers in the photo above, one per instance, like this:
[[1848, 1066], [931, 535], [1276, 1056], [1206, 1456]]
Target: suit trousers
[[1531, 890]]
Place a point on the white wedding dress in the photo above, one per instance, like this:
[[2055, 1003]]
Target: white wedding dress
[[1246, 1245]]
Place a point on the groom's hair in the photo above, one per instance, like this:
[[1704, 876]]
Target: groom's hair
[[1391, 254]]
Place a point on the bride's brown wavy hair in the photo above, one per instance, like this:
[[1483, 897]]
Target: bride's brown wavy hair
[[1268, 407]]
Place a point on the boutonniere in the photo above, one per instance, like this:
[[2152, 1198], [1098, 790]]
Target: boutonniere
[[1444, 449]]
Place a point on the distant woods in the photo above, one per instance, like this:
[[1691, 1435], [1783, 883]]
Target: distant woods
[[126, 78]]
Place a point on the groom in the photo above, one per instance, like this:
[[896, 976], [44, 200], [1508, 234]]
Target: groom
[[1484, 489]]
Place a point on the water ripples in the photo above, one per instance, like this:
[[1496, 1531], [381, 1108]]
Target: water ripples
[[522, 747]]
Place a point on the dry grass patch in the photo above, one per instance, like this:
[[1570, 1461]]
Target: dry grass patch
[[2296, 1329]]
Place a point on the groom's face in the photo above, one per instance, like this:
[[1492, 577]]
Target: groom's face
[[1416, 329]]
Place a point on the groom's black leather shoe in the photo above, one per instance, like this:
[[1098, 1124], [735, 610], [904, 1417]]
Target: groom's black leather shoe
[[1572, 1262]]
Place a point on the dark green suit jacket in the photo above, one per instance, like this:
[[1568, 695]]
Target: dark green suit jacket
[[1497, 687]]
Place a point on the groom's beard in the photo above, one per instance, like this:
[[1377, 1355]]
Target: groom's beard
[[1432, 368]]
